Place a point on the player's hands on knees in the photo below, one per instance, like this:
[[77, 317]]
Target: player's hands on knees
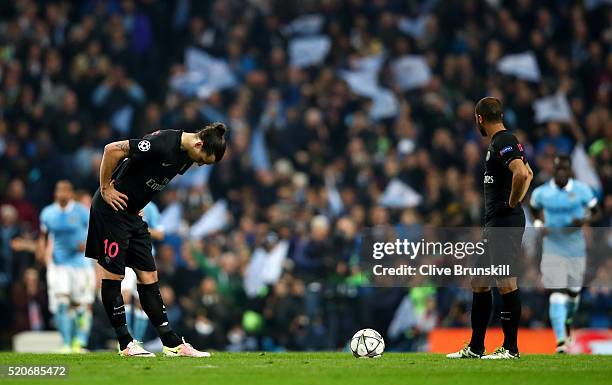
[[115, 199]]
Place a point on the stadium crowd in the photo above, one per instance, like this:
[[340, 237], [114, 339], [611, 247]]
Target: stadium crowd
[[311, 154]]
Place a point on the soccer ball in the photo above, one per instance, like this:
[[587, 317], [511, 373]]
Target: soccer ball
[[367, 343]]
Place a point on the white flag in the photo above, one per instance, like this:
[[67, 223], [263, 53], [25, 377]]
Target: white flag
[[583, 169], [362, 83], [398, 194], [308, 51], [523, 66], [305, 25], [415, 28], [554, 108], [265, 268], [384, 105], [410, 72], [214, 219], [369, 63], [205, 74]]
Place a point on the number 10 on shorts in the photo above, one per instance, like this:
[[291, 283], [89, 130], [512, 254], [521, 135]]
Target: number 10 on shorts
[[111, 249]]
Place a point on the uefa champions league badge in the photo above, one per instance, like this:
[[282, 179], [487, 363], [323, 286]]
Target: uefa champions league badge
[[144, 145]]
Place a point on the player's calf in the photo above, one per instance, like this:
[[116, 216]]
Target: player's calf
[[115, 309], [152, 304]]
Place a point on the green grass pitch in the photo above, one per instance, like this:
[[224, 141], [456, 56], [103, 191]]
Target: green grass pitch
[[316, 369]]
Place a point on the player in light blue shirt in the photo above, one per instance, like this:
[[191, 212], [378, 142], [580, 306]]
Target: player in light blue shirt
[[563, 206], [70, 276]]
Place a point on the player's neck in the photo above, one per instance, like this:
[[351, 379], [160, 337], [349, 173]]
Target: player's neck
[[494, 129], [64, 205], [186, 140], [560, 185]]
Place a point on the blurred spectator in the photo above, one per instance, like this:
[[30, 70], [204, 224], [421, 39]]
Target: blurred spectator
[[30, 310], [388, 97]]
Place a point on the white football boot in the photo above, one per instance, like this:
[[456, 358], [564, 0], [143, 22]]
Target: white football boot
[[466, 352], [501, 353], [134, 349], [184, 350]]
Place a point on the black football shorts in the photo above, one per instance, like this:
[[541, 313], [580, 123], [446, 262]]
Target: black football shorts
[[503, 237], [118, 239]]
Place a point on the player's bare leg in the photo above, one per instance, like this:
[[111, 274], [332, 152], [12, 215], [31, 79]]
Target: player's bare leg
[[563, 304], [115, 310], [482, 302], [510, 317], [63, 321], [82, 327], [152, 304]]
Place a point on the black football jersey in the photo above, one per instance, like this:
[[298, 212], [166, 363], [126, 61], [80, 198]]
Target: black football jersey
[[152, 162], [503, 149]]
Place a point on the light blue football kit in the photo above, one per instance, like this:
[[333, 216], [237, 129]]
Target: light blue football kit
[[563, 252]]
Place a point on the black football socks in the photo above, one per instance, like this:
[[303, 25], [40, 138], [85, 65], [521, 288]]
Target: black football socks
[[113, 305], [481, 312], [510, 317], [152, 304]]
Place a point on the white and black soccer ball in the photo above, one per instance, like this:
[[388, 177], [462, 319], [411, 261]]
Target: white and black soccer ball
[[367, 343]]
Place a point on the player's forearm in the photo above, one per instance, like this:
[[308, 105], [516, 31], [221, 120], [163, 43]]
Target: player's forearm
[[41, 246], [113, 154], [157, 235], [520, 185]]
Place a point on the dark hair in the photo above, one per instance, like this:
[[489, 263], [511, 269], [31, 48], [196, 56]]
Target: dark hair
[[213, 137], [491, 109]]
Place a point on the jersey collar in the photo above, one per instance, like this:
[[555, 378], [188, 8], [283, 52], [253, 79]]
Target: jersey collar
[[68, 207], [568, 186]]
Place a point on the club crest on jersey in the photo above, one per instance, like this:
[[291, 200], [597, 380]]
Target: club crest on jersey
[[505, 150], [144, 145]]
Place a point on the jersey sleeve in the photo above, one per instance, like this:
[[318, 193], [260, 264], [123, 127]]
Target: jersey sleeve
[[508, 149], [84, 215], [44, 221], [587, 197], [536, 199], [152, 146]]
